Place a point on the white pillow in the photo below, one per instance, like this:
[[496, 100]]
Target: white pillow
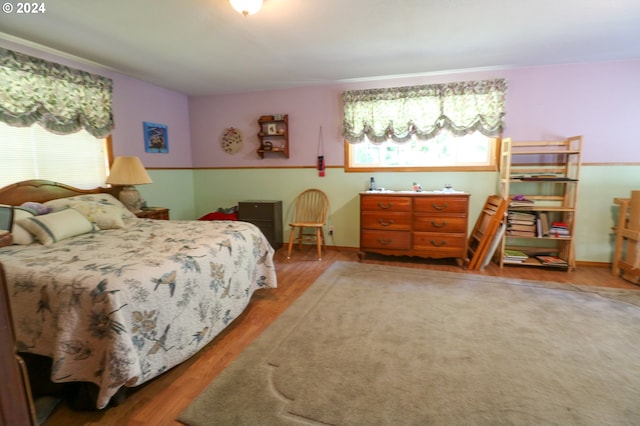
[[19, 234], [102, 209], [57, 226]]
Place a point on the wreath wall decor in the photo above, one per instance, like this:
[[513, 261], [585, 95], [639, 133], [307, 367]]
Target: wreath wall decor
[[231, 140]]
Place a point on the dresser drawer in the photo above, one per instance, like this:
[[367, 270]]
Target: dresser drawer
[[439, 223], [385, 203], [386, 221], [264, 210], [444, 204], [397, 240], [442, 243]]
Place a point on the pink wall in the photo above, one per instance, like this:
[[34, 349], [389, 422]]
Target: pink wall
[[599, 101], [135, 101]]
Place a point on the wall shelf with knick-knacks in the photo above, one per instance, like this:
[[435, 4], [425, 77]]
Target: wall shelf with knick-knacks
[[273, 135]]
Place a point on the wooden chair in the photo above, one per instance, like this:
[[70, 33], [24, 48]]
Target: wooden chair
[[311, 211]]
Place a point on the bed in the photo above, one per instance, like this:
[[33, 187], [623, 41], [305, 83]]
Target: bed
[[130, 298]]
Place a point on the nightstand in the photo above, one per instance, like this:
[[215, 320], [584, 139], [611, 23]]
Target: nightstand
[[266, 215], [5, 238], [158, 213]]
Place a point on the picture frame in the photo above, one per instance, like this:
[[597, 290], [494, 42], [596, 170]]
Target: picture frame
[[156, 137], [272, 129]]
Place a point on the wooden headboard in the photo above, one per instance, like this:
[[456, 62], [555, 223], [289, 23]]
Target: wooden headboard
[[39, 190]]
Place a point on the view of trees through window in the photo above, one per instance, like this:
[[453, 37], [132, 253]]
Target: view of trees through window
[[446, 151]]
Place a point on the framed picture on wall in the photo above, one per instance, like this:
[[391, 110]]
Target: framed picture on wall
[[156, 137], [271, 129]]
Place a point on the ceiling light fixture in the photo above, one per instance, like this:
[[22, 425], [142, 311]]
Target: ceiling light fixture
[[246, 7]]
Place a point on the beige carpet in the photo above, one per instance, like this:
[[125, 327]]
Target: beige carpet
[[379, 345]]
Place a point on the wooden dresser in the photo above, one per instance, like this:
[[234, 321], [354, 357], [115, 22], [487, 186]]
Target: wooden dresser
[[424, 224]]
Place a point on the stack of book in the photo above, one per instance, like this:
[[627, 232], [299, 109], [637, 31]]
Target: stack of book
[[553, 261], [559, 230], [514, 256], [520, 201], [521, 224]]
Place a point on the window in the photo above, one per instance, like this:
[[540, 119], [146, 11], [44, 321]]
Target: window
[[446, 151], [447, 126], [78, 159], [76, 108]]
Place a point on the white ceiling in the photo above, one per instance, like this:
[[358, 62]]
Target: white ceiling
[[202, 47]]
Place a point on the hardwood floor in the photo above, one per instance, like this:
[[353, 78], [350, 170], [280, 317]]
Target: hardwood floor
[[160, 401]]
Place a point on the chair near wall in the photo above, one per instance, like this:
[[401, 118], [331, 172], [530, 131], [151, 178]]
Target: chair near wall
[[311, 210]]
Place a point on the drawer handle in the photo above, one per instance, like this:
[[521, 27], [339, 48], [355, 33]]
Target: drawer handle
[[440, 207], [441, 244], [384, 242], [385, 206], [439, 225], [383, 223]]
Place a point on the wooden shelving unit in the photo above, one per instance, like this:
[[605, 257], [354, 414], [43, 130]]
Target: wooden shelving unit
[[546, 175], [273, 135]]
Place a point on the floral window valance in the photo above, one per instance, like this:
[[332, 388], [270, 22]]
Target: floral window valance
[[61, 99], [401, 113]]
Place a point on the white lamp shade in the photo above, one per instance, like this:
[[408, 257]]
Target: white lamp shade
[[246, 7], [128, 171]]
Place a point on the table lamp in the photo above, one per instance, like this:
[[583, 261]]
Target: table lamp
[[129, 171]]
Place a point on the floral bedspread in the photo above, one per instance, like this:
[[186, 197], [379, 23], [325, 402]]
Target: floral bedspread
[[119, 307]]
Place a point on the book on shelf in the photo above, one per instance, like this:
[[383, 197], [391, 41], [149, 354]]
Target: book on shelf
[[537, 176], [560, 236], [559, 230], [548, 260], [551, 260], [545, 176], [521, 203], [520, 200], [527, 234], [543, 219], [521, 222], [513, 254], [552, 178], [514, 215], [529, 227], [512, 260]]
